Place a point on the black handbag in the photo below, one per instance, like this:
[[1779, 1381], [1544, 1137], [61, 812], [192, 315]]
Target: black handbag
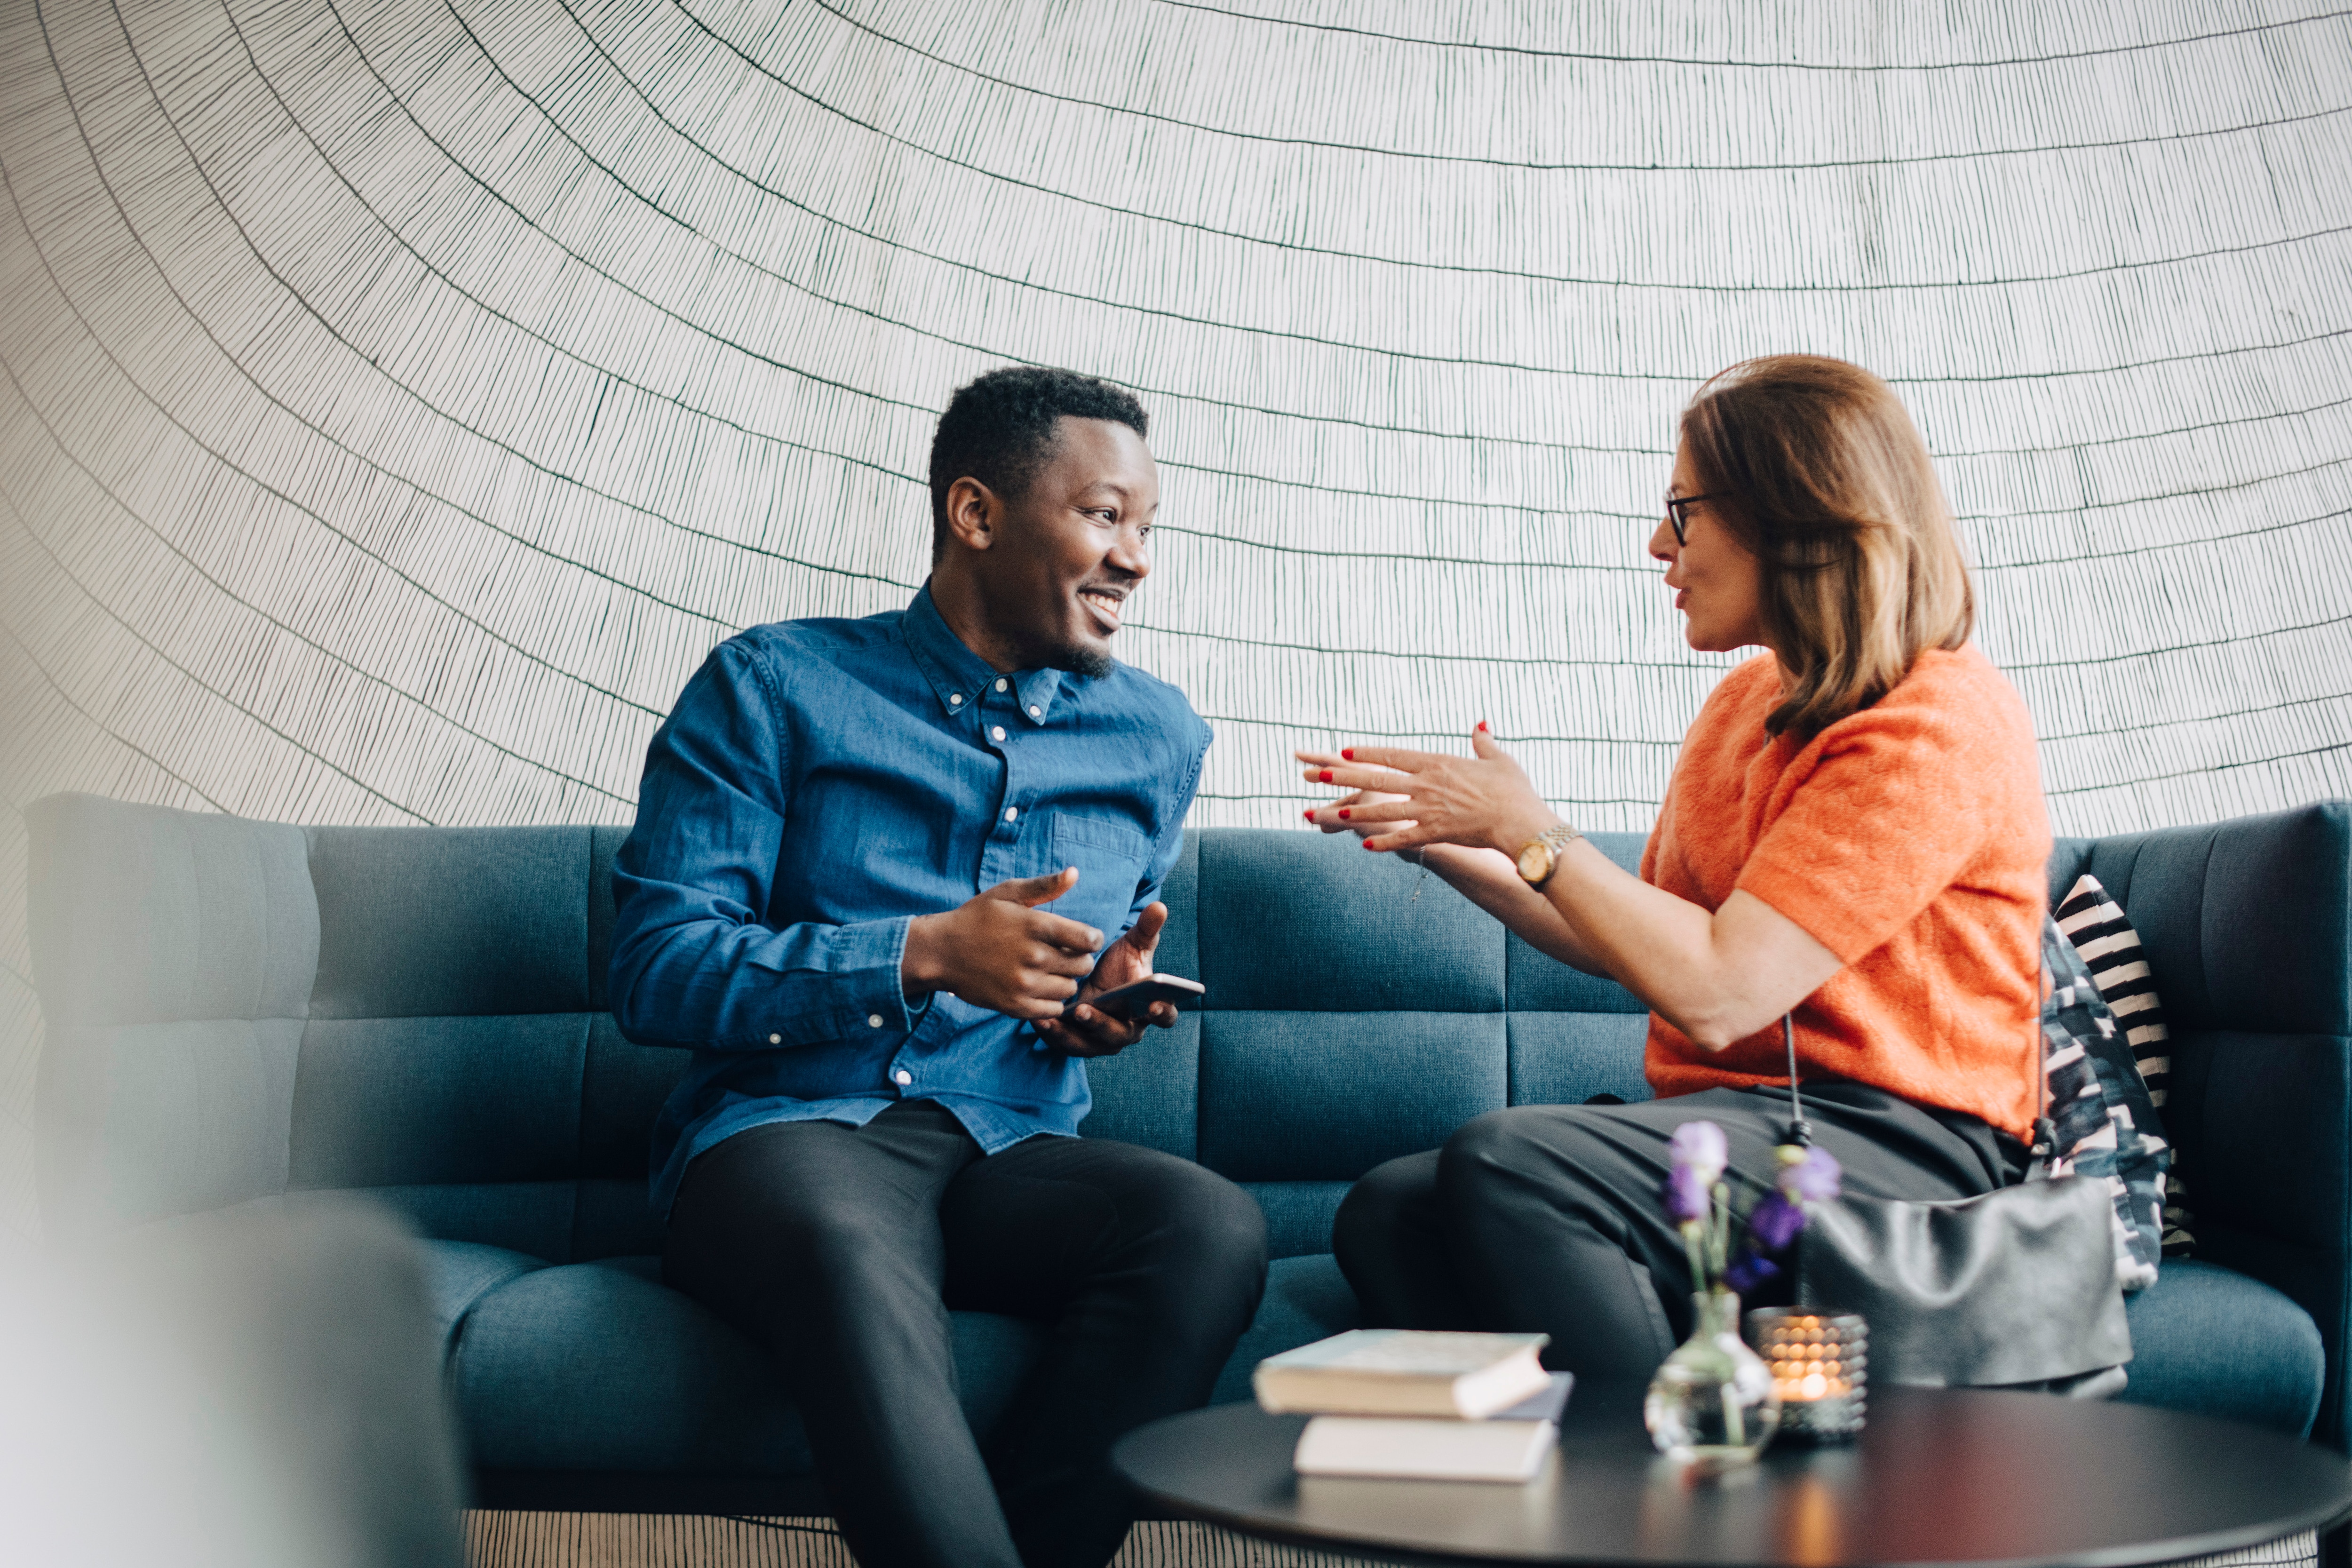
[[2013, 1288]]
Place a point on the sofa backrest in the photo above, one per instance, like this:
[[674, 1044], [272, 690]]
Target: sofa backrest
[[1356, 1011], [175, 952], [241, 1009], [2247, 925], [458, 1061], [422, 1018]]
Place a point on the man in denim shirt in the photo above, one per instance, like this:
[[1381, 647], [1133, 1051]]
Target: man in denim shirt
[[879, 869]]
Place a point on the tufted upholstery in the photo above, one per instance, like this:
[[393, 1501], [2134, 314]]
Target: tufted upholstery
[[176, 954], [1348, 1021], [243, 1011], [2248, 929], [459, 1063]]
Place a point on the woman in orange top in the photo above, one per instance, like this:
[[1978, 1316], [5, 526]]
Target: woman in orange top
[[1853, 833]]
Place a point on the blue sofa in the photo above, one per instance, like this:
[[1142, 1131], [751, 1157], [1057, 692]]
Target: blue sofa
[[245, 1012]]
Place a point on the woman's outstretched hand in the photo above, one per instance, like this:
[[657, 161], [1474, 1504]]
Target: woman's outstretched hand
[[1341, 816], [1406, 798]]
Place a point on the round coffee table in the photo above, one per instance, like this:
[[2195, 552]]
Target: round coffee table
[[1937, 1477]]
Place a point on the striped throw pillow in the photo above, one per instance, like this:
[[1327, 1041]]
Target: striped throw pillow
[[2102, 1125], [2110, 948]]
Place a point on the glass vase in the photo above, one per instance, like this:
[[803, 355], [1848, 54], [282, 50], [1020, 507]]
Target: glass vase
[[1712, 1403]]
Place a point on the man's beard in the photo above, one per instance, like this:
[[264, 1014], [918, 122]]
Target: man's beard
[[1092, 663]]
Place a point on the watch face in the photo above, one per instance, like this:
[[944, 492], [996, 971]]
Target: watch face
[[1535, 860]]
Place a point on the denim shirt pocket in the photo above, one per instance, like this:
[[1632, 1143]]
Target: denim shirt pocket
[[1111, 857]]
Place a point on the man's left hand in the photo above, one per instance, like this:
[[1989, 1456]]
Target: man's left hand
[[1082, 1030]]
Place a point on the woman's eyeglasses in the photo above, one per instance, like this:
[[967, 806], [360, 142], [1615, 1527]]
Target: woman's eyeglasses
[[1679, 514]]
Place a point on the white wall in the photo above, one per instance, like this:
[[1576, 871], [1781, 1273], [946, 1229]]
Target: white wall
[[399, 397]]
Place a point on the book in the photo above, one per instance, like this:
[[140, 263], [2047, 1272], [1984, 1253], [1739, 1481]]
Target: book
[[1509, 1445], [1403, 1372]]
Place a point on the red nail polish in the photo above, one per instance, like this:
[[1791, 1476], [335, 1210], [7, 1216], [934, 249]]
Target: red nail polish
[[1482, 723], [1343, 814], [1327, 775], [1367, 844], [1348, 753], [1310, 813]]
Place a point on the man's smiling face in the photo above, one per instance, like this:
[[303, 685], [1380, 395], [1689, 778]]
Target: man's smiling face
[[1073, 546]]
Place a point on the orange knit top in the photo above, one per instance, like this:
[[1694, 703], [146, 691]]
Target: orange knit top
[[1910, 839]]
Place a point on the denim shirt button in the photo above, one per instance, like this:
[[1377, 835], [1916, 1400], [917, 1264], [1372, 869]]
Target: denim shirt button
[[775, 1040], [873, 1020], [903, 1077]]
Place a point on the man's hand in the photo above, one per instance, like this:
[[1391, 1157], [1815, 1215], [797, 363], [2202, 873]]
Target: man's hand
[[1085, 1031], [999, 950]]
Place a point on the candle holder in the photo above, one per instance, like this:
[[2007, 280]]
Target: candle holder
[[1819, 1363]]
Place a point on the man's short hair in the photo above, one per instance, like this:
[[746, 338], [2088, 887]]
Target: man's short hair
[[1000, 430]]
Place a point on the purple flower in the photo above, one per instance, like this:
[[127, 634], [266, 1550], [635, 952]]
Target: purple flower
[[1811, 1179], [1774, 1223], [1700, 1146], [1748, 1271], [1688, 1194]]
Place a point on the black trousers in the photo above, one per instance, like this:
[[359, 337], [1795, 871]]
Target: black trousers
[[842, 1249], [1550, 1218]]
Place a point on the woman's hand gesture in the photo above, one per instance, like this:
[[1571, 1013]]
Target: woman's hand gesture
[[1344, 815], [1407, 798]]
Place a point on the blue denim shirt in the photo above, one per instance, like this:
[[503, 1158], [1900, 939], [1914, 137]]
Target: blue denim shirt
[[819, 784]]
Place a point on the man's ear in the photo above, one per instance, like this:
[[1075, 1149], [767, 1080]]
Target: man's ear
[[973, 513]]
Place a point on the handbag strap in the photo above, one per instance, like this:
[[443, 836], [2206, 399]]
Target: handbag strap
[[2045, 1135]]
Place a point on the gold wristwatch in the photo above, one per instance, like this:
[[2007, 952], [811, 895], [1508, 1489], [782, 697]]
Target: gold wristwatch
[[1540, 858]]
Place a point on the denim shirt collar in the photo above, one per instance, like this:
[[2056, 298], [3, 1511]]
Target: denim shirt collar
[[960, 677]]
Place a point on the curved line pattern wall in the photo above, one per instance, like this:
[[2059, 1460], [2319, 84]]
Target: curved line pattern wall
[[397, 398]]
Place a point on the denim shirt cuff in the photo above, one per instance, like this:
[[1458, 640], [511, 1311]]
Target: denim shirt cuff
[[861, 990], [908, 1016]]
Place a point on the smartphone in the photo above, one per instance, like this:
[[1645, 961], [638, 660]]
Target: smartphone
[[1133, 1001]]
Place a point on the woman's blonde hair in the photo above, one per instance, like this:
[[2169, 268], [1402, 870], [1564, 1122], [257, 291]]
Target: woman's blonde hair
[[1822, 478]]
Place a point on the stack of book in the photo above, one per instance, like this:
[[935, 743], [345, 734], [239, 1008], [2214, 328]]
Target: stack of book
[[1404, 1403]]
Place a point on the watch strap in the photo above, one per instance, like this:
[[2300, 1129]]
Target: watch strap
[[1555, 839]]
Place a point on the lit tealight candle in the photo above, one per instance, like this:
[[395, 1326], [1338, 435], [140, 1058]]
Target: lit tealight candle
[[1816, 1360]]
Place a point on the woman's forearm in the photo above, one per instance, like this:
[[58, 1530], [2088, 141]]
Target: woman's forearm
[[1718, 977]]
